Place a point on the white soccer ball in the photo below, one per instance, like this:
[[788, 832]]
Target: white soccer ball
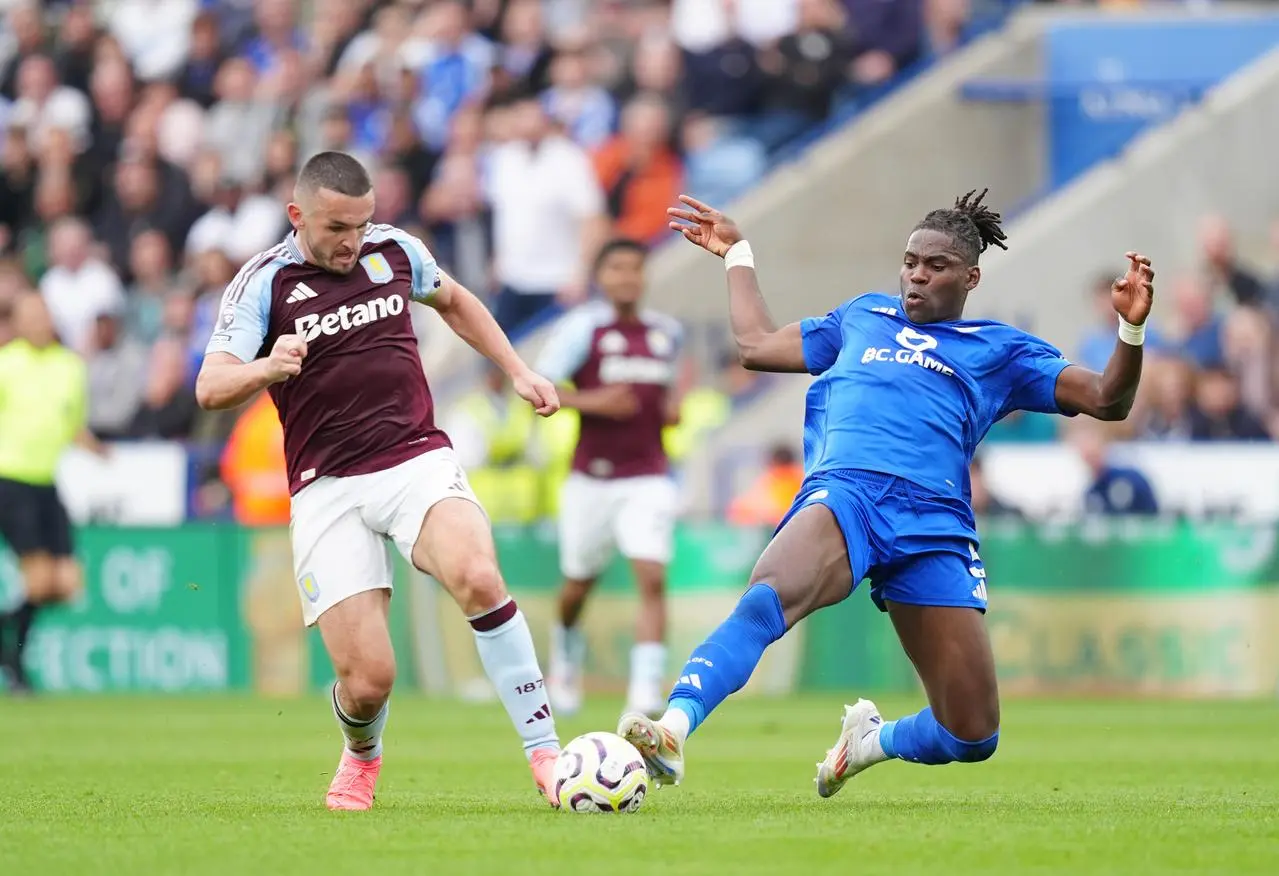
[[600, 772]]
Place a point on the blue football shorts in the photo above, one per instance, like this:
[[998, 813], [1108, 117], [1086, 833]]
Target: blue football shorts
[[914, 548]]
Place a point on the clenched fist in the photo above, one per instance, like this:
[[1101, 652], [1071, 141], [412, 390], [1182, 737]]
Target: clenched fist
[[286, 358]]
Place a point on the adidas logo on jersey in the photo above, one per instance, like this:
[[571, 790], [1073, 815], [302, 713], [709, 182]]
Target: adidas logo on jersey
[[301, 292], [694, 679], [347, 317]]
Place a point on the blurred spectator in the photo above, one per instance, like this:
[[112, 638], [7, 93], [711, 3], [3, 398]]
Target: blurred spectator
[[26, 31], [983, 502], [548, 215], [112, 89], [702, 25], [1222, 268], [640, 173], [768, 499], [1217, 414], [239, 124], [490, 425], [18, 171], [523, 57], [584, 109], [116, 378], [140, 203], [1112, 489], [276, 33], [151, 263], [656, 69], [1248, 338], [1199, 327], [13, 283], [74, 55], [719, 164], [252, 466], [78, 285], [393, 198], [43, 103], [199, 71], [802, 74], [458, 219], [887, 37], [238, 223], [453, 72], [946, 25], [168, 402], [721, 74], [155, 34], [1164, 414], [335, 28], [496, 429]]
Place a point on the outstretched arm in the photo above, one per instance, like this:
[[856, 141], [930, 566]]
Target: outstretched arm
[[1110, 394], [761, 346], [471, 321]]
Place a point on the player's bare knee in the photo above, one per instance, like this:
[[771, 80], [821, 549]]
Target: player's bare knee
[[369, 685], [478, 586]]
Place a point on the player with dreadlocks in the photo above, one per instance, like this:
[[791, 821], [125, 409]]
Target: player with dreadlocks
[[906, 388]]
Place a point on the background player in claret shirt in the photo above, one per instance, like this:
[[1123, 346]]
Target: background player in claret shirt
[[322, 323], [906, 389], [621, 362]]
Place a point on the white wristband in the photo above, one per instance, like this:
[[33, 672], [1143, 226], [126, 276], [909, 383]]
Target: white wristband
[[739, 255], [1132, 335]]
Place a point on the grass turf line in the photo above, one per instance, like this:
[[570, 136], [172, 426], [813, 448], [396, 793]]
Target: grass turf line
[[108, 786]]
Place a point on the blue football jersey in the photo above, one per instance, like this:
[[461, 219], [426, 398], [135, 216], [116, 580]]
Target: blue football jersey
[[914, 400]]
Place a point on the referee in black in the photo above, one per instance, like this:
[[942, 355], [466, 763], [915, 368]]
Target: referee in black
[[43, 409]]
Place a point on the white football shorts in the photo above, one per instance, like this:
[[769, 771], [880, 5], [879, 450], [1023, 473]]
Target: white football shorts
[[636, 516], [340, 525]]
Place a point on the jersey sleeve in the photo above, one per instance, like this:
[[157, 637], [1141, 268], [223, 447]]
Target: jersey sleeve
[[1034, 369], [426, 273], [244, 314], [568, 346], [823, 338]]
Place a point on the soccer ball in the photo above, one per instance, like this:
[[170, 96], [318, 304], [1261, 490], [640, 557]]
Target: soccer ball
[[600, 772]]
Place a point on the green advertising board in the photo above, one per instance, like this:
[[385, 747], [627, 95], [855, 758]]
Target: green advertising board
[[1112, 607]]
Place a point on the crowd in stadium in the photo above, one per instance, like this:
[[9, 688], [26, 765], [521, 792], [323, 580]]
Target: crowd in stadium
[[149, 147]]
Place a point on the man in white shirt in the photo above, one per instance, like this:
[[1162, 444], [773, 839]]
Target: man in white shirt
[[548, 217], [703, 25], [78, 286]]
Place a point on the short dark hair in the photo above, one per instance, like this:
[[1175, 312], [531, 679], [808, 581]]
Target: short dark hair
[[973, 227], [337, 172], [619, 244]]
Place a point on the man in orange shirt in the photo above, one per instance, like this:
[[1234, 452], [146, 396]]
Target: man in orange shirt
[[767, 500], [638, 170]]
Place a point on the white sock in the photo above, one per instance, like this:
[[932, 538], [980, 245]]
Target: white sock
[[568, 653], [363, 738], [506, 651], [676, 721], [648, 666]]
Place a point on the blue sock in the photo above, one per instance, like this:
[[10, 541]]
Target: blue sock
[[724, 662], [919, 738]]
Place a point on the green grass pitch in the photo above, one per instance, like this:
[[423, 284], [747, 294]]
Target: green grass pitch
[[229, 785]]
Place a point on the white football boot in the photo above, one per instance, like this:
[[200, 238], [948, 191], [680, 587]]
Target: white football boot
[[856, 749]]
